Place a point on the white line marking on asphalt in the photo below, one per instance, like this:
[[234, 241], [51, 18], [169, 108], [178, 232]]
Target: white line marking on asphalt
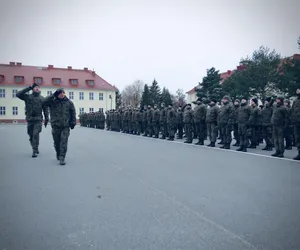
[[180, 204], [216, 148]]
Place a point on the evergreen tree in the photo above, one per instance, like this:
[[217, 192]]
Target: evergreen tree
[[165, 97], [210, 86], [154, 93], [145, 96], [118, 99]]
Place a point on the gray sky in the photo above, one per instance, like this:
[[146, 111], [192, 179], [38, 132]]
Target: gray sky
[[173, 41]]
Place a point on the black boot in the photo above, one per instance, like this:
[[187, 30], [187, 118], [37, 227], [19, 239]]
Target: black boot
[[62, 160], [212, 144], [276, 154], [189, 142], [227, 146], [265, 148], [34, 154], [241, 148], [297, 158], [209, 145], [221, 143]]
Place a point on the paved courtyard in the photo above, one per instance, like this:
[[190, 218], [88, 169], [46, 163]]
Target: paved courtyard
[[121, 191]]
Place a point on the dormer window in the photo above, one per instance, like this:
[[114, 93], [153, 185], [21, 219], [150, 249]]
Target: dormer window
[[74, 82], [1, 78], [90, 82], [19, 79], [38, 80], [56, 81]]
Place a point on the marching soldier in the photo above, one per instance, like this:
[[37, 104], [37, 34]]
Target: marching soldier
[[200, 116], [235, 123], [243, 116], [266, 115], [295, 118], [179, 121], [171, 121], [188, 119], [212, 122], [155, 121]]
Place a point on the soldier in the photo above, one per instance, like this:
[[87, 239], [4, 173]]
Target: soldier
[[171, 121], [266, 115], [144, 121], [63, 117], [212, 121], [138, 120], [253, 123], [130, 128], [34, 108], [226, 115], [179, 121], [188, 119], [163, 121], [279, 122], [288, 131], [155, 121], [149, 121], [102, 120], [200, 116], [295, 118], [243, 116], [235, 123]]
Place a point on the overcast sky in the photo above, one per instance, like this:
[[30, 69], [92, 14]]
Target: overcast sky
[[124, 40]]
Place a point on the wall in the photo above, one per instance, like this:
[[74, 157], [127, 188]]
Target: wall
[[191, 97], [10, 102]]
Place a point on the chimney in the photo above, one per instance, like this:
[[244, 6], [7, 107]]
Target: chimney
[[19, 64], [85, 69], [69, 67], [12, 63], [93, 73], [50, 66]]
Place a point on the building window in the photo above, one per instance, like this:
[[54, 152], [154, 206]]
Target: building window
[[71, 95], [81, 95], [2, 110], [19, 79], [90, 82], [100, 96], [49, 92], [38, 80], [91, 96], [91, 110], [15, 110], [100, 109], [2, 93], [14, 93], [1, 78], [56, 81], [74, 81], [81, 111]]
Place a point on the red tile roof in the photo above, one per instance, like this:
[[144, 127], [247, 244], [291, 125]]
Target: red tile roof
[[9, 71]]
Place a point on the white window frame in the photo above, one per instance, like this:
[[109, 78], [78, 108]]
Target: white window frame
[[71, 95], [101, 96], [81, 111], [91, 110], [2, 93], [14, 93], [38, 79], [81, 95], [100, 109], [91, 96], [2, 110], [15, 110]]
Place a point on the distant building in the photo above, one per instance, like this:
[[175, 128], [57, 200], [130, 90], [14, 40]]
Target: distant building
[[88, 91]]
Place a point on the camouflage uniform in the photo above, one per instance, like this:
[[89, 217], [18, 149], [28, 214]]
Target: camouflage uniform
[[200, 116], [138, 120], [266, 115], [171, 121], [179, 121], [212, 123], [63, 117], [235, 123], [225, 118], [295, 119], [34, 108], [253, 123], [188, 119], [288, 131], [163, 122], [279, 122], [243, 116], [155, 121]]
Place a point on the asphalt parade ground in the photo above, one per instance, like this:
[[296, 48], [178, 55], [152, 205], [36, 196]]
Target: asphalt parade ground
[[122, 192]]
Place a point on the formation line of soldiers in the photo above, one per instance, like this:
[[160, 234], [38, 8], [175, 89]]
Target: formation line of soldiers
[[276, 122]]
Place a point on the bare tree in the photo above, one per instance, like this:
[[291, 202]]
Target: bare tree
[[132, 94], [179, 98]]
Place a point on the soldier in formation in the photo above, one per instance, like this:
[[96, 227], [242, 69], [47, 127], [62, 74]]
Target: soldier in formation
[[278, 125]]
